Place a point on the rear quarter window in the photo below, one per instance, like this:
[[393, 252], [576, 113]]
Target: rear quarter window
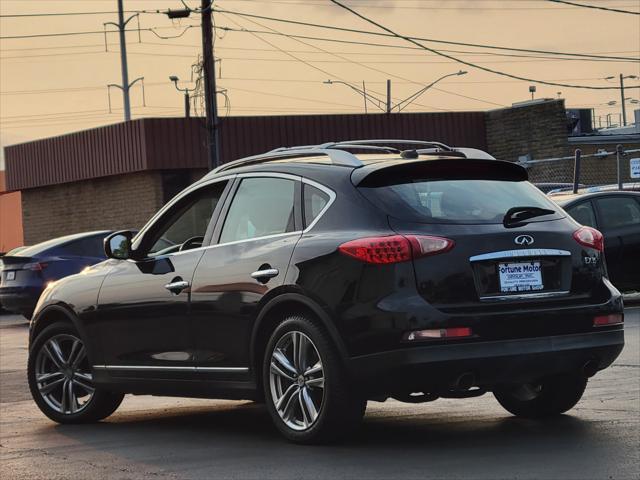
[[472, 201]]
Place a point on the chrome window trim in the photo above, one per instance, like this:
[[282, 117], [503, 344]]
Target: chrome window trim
[[524, 296], [174, 368], [246, 240], [527, 252]]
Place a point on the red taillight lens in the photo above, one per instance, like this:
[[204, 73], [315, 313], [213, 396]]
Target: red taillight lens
[[395, 248], [379, 250], [36, 267], [457, 332], [604, 320], [589, 237]]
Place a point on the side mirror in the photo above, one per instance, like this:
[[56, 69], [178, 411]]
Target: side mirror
[[118, 245]]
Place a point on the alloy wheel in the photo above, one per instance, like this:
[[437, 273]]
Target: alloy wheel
[[63, 374], [296, 379]]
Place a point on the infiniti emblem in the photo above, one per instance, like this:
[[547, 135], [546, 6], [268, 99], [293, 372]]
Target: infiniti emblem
[[524, 240]]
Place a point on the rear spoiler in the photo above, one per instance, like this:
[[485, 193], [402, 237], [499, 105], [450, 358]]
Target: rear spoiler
[[394, 171], [14, 260]]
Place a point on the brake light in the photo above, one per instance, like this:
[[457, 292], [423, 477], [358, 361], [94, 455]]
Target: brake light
[[392, 249], [605, 320], [457, 332], [36, 267], [589, 237], [395, 248]]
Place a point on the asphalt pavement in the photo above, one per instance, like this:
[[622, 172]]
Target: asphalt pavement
[[171, 438]]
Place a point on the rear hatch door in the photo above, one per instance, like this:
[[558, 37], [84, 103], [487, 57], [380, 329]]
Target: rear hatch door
[[495, 260]]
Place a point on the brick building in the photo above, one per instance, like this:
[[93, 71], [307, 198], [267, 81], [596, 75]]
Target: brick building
[[117, 176]]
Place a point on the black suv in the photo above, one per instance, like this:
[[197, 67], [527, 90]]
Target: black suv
[[317, 278]]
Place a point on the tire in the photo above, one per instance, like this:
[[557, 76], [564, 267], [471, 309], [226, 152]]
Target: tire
[[551, 396], [68, 395], [335, 409]]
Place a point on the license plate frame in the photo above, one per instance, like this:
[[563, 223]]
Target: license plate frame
[[520, 276]]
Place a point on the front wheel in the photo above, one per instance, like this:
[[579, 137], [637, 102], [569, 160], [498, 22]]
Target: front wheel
[[307, 390], [61, 379], [548, 397]]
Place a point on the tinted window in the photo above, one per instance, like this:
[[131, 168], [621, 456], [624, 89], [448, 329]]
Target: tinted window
[[86, 247], [40, 248], [619, 212], [457, 201], [188, 219], [314, 202], [260, 207], [583, 214]]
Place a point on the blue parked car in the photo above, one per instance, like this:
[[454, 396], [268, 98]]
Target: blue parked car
[[24, 274]]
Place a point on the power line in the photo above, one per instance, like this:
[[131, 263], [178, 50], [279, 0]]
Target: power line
[[463, 52], [596, 7], [364, 65], [95, 32], [486, 69], [331, 75], [472, 6], [431, 40]]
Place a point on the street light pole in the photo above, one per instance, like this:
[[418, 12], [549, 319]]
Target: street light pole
[[187, 98], [407, 101]]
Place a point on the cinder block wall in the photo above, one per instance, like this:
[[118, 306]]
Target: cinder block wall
[[116, 202], [539, 130]]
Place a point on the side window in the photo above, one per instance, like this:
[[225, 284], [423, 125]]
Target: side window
[[583, 214], [260, 207], [314, 202], [188, 219], [86, 247], [619, 212]]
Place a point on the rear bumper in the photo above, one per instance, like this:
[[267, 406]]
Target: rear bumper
[[437, 367], [19, 300]]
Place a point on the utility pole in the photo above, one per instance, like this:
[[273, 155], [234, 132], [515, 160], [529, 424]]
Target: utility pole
[[126, 86], [388, 96], [210, 83], [624, 107]]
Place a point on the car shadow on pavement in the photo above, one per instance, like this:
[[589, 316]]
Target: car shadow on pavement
[[249, 425]]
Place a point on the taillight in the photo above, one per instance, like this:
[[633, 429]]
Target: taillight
[[589, 237], [395, 248], [391, 249], [36, 267], [606, 320]]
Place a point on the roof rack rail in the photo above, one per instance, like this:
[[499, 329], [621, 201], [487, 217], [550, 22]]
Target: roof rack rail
[[337, 157], [338, 154], [389, 142]]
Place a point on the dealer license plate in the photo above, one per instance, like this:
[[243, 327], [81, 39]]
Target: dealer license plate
[[520, 277]]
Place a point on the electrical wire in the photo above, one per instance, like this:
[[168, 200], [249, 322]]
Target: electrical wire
[[596, 7], [471, 6], [431, 40], [469, 64]]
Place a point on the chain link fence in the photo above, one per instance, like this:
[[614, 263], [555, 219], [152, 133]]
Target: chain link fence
[[602, 168]]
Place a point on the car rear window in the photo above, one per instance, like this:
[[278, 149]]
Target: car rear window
[[472, 201]]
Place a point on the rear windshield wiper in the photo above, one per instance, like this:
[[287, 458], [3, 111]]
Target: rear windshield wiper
[[517, 215]]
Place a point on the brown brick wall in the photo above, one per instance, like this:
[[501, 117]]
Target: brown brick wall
[[116, 202], [539, 130]]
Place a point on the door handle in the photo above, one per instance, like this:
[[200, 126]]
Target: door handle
[[265, 274], [177, 286]]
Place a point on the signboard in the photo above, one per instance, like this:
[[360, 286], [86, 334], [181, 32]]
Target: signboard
[[634, 167]]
